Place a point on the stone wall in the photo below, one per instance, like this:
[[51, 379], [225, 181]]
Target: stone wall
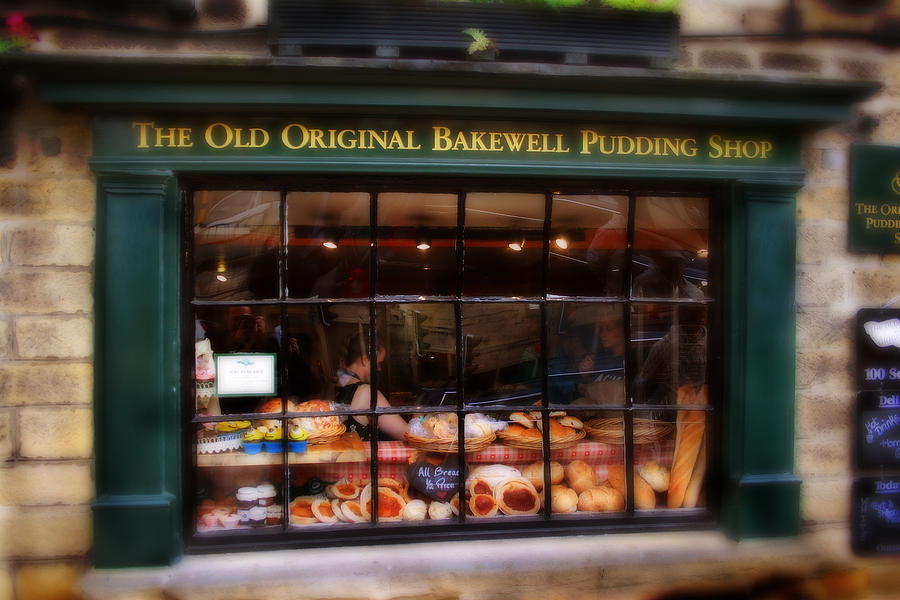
[[47, 206]]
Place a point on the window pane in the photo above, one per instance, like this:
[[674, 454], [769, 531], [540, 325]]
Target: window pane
[[670, 345], [236, 237], [586, 350], [417, 244], [671, 248], [587, 245], [502, 353], [239, 484], [328, 252], [503, 244], [420, 354], [232, 330]]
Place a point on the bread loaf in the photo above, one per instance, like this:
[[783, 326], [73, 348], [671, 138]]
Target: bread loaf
[[656, 475], [692, 494], [602, 498], [691, 425]]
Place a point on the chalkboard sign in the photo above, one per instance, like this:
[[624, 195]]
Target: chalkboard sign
[[876, 516], [878, 349], [435, 481], [878, 429]]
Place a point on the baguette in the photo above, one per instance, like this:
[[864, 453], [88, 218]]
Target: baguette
[[692, 494], [691, 425]]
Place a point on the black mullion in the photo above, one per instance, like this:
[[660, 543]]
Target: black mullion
[[282, 294], [628, 416], [462, 467], [188, 397], [545, 383], [373, 353]]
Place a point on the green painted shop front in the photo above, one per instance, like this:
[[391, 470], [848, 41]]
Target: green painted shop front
[[156, 130]]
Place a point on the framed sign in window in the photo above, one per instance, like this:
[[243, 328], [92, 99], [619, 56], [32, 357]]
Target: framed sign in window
[[246, 375]]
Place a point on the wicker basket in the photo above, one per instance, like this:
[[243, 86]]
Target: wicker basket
[[327, 436], [449, 445], [536, 443], [611, 430]]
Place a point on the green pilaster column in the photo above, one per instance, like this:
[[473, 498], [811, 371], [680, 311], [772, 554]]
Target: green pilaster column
[[137, 513], [762, 494]]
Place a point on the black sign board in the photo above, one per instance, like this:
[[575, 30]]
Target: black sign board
[[878, 429], [874, 199], [435, 481], [875, 515], [878, 349]]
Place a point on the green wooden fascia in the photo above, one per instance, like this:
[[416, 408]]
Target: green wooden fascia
[[137, 371], [761, 496]]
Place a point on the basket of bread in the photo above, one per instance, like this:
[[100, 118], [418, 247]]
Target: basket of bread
[[320, 429], [439, 432], [526, 430]]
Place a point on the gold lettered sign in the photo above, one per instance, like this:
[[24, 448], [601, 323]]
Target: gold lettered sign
[[874, 199]]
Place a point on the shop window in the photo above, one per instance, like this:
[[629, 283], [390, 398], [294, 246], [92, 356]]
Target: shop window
[[461, 349]]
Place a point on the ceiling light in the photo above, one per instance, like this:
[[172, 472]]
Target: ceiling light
[[221, 278], [516, 244], [561, 242], [423, 243], [329, 240]]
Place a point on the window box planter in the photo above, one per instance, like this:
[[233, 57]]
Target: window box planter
[[434, 29]]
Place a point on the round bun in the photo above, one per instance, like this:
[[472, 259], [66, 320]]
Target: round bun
[[563, 499], [438, 511], [580, 476], [415, 510], [534, 473], [600, 499], [644, 496], [522, 419], [656, 475]]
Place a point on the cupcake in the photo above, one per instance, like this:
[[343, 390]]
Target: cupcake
[[265, 494], [272, 440], [253, 441], [257, 516], [274, 514], [231, 520], [297, 439]]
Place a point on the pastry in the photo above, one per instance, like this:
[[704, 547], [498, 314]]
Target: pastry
[[570, 421], [522, 419], [689, 431], [322, 510], [439, 511], [563, 499], [390, 503], [479, 485], [482, 505], [301, 510], [602, 498], [338, 512], [454, 504], [692, 493], [656, 475], [353, 511], [580, 476], [415, 510], [516, 496], [492, 474], [343, 489]]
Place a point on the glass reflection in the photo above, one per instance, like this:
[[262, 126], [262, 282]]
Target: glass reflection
[[503, 244], [586, 344], [670, 344], [236, 239], [417, 244], [587, 245], [502, 353], [328, 251], [671, 248]]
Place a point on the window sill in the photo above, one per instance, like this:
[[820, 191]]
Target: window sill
[[421, 568]]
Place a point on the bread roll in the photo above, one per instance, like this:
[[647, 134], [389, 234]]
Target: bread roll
[[602, 498], [644, 496], [580, 476], [522, 419], [415, 510], [534, 473], [483, 505], [570, 421], [656, 475], [439, 511], [689, 430], [563, 499], [517, 496]]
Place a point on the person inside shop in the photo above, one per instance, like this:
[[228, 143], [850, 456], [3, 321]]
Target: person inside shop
[[354, 390], [248, 332], [665, 278], [676, 358]]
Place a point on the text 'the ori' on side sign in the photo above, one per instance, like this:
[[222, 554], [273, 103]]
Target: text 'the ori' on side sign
[[874, 199]]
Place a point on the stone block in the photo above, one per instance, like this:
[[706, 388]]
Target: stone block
[[45, 531], [56, 245], [791, 61], [710, 16], [874, 287], [7, 591], [5, 331], [825, 499], [831, 369], [821, 286], [717, 58], [48, 581], [888, 129], [43, 383], [829, 202], [6, 435], [822, 330], [34, 290], [54, 337], [67, 199], [818, 238], [55, 432], [824, 411], [59, 149], [824, 455], [35, 484]]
